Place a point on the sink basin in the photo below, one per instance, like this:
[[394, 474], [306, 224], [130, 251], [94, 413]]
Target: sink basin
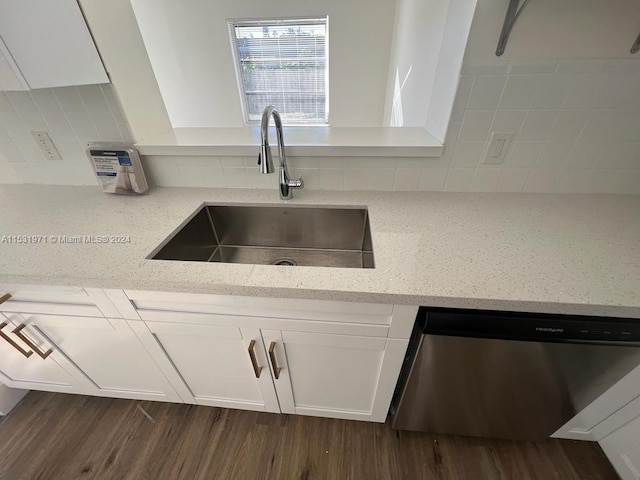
[[272, 235]]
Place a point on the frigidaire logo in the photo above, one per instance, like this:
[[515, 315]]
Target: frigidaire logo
[[549, 329]]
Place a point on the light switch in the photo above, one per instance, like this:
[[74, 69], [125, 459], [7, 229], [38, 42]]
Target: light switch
[[498, 148]]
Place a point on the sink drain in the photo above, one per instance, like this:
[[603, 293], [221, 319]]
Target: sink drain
[[288, 262]]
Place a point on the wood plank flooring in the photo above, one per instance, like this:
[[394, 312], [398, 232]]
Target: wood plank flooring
[[67, 437]]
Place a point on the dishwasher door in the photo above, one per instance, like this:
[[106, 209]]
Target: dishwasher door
[[504, 388]]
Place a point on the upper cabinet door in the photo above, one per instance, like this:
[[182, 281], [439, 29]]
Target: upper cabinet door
[[10, 76], [50, 42]]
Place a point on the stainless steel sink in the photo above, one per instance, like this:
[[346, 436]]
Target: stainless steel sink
[[272, 235]]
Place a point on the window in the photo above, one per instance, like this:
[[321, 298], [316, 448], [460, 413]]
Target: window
[[282, 63]]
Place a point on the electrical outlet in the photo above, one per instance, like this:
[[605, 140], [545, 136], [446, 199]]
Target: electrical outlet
[[498, 148], [46, 145]]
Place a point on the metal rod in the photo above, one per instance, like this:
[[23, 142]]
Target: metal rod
[[274, 361], [26, 353], [254, 363], [18, 333], [635, 48], [513, 12]]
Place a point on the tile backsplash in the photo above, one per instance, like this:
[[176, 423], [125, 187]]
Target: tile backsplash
[[575, 126], [73, 116]]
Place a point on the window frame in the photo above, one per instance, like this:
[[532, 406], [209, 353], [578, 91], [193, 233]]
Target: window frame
[[275, 21]]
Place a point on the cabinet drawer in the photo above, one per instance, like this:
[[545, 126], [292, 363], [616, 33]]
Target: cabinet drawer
[[240, 321], [74, 301], [319, 310]]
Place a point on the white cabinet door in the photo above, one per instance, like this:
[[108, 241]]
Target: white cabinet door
[[622, 447], [608, 412], [220, 366], [107, 352], [50, 42], [10, 76], [21, 367], [336, 376]]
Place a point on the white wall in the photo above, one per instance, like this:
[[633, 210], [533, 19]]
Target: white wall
[[551, 29], [199, 85], [417, 34], [127, 62], [73, 116]]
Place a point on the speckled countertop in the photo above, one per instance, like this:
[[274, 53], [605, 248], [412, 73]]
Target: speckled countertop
[[530, 252]]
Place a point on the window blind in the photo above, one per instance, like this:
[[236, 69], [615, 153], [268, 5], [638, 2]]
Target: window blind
[[282, 63]]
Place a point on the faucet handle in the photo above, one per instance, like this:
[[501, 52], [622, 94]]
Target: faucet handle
[[296, 183]]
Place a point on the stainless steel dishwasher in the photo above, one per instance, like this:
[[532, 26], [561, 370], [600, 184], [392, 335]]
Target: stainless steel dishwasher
[[508, 375]]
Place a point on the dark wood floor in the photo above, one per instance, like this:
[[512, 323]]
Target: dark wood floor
[[54, 436]]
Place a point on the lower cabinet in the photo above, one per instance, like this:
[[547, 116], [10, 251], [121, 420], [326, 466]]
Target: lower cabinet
[[88, 355], [329, 359], [338, 376], [307, 373], [21, 367], [622, 447], [220, 366]]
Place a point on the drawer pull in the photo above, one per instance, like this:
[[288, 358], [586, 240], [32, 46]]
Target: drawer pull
[[274, 361], [18, 333], [252, 355], [12, 343], [5, 297]]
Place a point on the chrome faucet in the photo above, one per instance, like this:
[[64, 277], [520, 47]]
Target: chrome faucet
[[264, 157]]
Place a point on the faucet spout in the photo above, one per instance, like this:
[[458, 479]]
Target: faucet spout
[[265, 162]]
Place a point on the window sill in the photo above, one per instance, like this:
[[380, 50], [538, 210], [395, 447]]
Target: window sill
[[299, 142]]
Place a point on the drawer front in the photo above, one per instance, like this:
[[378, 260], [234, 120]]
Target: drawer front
[[39, 299], [314, 310], [240, 321]]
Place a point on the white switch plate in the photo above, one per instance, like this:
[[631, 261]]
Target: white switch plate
[[46, 145], [498, 148]]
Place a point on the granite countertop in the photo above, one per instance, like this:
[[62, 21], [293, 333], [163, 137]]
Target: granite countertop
[[530, 252]]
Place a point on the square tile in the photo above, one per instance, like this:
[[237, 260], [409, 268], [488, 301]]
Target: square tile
[[382, 178], [512, 180], [584, 155], [486, 92], [356, 179], [69, 99], [407, 179], [331, 179], [569, 124], [93, 98], [551, 92], [468, 154], [476, 125], [459, 179], [537, 125], [432, 179], [22, 102], [45, 100], [541, 181], [508, 121], [554, 154], [485, 179], [518, 92], [524, 154]]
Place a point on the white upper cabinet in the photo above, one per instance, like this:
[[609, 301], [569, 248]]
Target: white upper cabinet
[[50, 44], [10, 76]]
